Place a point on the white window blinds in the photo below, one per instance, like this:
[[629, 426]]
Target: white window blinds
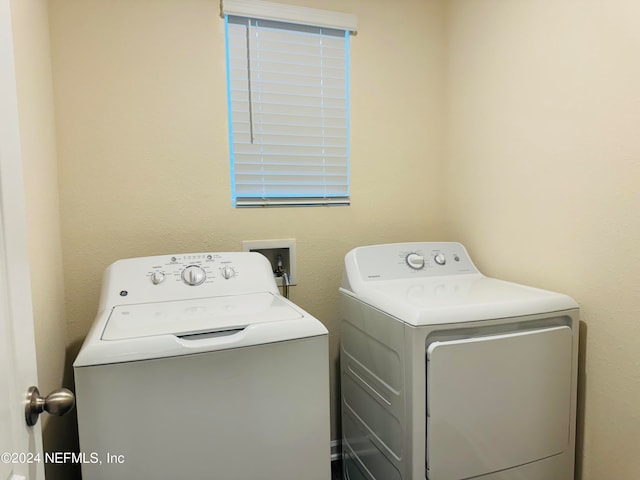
[[288, 90]]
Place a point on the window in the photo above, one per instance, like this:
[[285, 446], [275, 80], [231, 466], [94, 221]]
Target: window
[[288, 91]]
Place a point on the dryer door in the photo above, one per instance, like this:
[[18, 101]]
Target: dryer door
[[497, 402]]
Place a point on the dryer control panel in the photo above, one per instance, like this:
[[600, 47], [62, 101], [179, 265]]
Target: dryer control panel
[[408, 260]]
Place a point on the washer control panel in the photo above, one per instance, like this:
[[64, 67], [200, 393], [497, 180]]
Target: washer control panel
[[196, 275], [192, 270], [408, 260]]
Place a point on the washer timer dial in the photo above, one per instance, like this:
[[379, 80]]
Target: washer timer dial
[[193, 275], [415, 261]]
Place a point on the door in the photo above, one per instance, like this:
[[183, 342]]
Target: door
[[498, 401], [20, 445]]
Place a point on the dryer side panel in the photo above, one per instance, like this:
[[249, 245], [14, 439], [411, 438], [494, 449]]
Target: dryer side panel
[[373, 392], [499, 401]]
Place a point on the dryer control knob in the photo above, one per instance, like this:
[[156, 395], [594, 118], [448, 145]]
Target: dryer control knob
[[440, 259], [193, 275], [228, 272], [415, 261]]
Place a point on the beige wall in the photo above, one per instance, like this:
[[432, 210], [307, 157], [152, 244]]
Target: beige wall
[[543, 182], [38, 145], [538, 103], [141, 115]]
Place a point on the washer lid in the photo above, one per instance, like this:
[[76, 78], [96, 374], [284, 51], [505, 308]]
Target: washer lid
[[458, 298], [196, 316], [147, 331]]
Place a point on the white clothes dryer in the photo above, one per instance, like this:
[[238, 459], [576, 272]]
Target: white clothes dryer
[[196, 367], [449, 375]]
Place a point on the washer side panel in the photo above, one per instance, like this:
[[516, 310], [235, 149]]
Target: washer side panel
[[246, 413]]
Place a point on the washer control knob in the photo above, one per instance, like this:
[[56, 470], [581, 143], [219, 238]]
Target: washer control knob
[[415, 261], [228, 272], [157, 277], [440, 259], [193, 275]]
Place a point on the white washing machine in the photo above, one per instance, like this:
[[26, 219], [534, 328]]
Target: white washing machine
[[197, 368], [449, 375]]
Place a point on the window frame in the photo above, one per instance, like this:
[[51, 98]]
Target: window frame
[[325, 192]]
